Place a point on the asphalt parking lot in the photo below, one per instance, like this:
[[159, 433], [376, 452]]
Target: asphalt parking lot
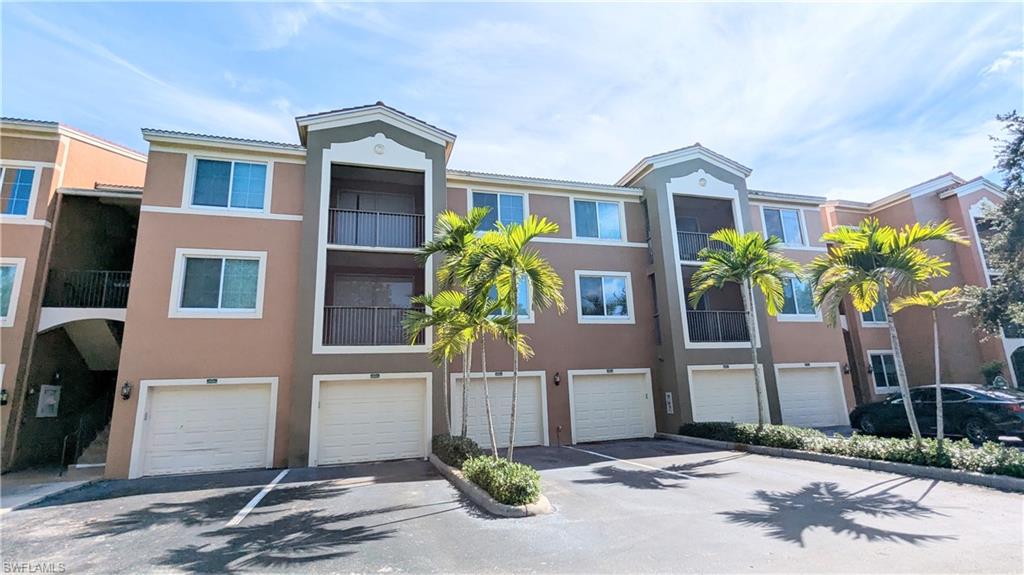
[[630, 506]]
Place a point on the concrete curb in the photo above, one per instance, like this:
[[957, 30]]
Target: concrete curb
[[484, 499], [71, 486], [1001, 482]]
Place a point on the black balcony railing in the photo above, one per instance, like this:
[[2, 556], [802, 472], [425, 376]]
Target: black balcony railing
[[87, 288], [374, 229], [717, 326], [691, 243], [344, 325]]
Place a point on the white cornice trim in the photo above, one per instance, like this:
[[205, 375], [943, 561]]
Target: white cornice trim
[[220, 213], [174, 143], [99, 193], [53, 131], [975, 185], [681, 155], [457, 177], [342, 118]]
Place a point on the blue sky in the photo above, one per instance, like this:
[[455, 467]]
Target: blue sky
[[849, 101]]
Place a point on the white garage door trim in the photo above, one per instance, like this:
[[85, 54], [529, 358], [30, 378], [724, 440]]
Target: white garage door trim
[[646, 372], [826, 364], [145, 385], [314, 406], [455, 401], [690, 369]]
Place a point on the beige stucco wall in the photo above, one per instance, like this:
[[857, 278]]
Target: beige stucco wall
[[88, 165]]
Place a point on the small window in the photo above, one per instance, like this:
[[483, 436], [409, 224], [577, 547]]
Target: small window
[[798, 298], [604, 298], [785, 225], [228, 184], [8, 277], [16, 190], [883, 368], [216, 284], [522, 294], [874, 315], [505, 208], [597, 220]]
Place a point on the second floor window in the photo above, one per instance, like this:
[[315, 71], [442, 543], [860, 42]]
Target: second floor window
[[597, 220], [8, 275], [522, 294], [505, 208], [875, 314], [798, 298], [604, 297], [16, 190], [220, 283], [784, 224], [883, 369], [228, 184]]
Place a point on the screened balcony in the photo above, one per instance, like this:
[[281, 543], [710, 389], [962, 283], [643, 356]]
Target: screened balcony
[[696, 219], [719, 316], [366, 297], [378, 208]]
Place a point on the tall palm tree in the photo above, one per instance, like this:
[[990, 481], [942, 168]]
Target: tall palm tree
[[442, 312], [933, 300], [868, 262], [500, 259], [747, 260]]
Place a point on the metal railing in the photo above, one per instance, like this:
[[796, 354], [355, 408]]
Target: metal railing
[[91, 421], [717, 326], [345, 325], [691, 243], [87, 288], [374, 229]]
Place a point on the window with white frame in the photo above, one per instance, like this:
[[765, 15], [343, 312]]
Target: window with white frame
[[211, 283], [522, 295], [504, 208], [798, 300], [784, 224], [883, 369], [875, 315], [229, 184], [9, 280], [604, 297], [15, 190], [597, 220]]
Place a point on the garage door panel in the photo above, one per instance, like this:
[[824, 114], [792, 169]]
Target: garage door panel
[[215, 428], [723, 395], [611, 406], [371, 420], [529, 410], [812, 397]]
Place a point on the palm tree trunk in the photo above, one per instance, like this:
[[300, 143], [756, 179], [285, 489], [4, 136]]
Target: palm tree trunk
[[467, 362], [939, 425], [901, 371], [487, 399], [748, 308], [515, 363]]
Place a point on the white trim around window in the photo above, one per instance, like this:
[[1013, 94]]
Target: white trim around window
[[799, 317], [630, 316], [619, 205], [870, 324], [190, 183], [178, 280], [12, 307], [800, 216], [498, 192], [37, 174], [874, 386]]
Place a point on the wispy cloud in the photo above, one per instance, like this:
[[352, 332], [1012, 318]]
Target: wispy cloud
[[1004, 63]]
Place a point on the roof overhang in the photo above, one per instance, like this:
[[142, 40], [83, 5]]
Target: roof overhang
[[375, 112], [182, 139], [694, 152], [41, 129], [481, 178], [976, 185], [779, 197]]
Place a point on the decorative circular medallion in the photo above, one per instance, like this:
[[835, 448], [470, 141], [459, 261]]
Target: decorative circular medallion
[[702, 182], [378, 149]]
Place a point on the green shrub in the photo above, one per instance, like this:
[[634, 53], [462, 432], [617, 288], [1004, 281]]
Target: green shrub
[[454, 450], [508, 482], [961, 455]]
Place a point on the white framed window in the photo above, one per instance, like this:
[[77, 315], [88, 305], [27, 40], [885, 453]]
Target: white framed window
[[874, 317], [883, 371], [597, 220], [798, 301], [11, 270], [218, 284], [229, 184], [523, 295], [505, 208], [785, 224], [16, 187], [604, 297]]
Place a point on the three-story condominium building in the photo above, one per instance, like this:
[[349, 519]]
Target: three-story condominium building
[[269, 281]]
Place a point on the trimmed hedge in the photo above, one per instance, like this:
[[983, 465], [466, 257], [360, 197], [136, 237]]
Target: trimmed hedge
[[508, 482], [991, 457], [454, 450]]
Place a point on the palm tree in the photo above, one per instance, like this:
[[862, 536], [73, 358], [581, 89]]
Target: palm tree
[[867, 262], [933, 300], [747, 260], [500, 259], [443, 313]]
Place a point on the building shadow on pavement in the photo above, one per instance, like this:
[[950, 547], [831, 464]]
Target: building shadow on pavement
[[789, 515]]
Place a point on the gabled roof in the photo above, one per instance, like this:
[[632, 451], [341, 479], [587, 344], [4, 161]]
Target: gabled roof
[[376, 111], [681, 155], [54, 130], [970, 186], [155, 135]]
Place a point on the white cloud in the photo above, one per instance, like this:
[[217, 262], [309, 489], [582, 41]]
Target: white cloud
[[1004, 63]]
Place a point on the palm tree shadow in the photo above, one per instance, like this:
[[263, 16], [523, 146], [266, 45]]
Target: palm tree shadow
[[672, 477], [825, 504]]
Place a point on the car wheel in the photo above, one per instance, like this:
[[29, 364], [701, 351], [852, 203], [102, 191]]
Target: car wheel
[[978, 432], [867, 425]]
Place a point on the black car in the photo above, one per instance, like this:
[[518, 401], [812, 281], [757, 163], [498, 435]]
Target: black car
[[978, 413]]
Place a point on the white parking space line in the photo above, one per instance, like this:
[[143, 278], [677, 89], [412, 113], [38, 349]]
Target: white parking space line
[[628, 462], [255, 500]]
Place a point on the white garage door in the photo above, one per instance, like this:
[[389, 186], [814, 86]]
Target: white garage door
[[724, 395], [812, 397], [370, 420], [531, 410], [609, 406], [190, 428]]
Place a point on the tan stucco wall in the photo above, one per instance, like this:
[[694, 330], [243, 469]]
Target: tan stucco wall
[[88, 165]]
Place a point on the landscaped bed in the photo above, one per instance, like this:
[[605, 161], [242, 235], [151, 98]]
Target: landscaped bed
[[961, 455]]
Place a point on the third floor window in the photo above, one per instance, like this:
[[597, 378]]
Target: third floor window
[[505, 208], [16, 190], [597, 220], [229, 184], [785, 225]]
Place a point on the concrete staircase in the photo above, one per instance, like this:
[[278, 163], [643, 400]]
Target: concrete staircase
[[96, 454]]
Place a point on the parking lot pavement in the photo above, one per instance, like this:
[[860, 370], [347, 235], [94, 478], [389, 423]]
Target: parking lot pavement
[[630, 506]]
